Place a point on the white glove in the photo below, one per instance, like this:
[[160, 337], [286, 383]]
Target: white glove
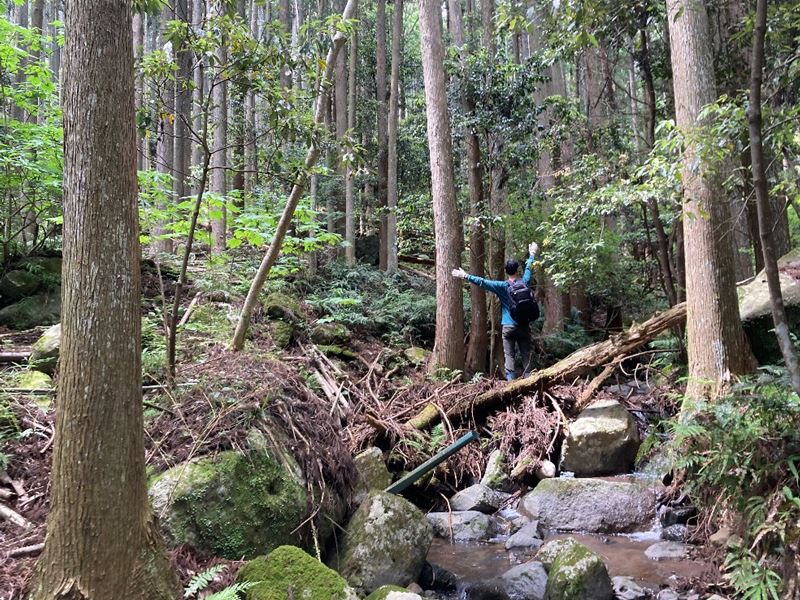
[[533, 248], [460, 273]]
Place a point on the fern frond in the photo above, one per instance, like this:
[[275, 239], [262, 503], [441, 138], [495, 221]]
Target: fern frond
[[232, 592], [202, 580]]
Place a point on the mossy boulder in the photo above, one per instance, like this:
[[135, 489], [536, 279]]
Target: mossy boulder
[[214, 318], [288, 573], [603, 440], [232, 504], [386, 542], [383, 592], [577, 573], [496, 474], [44, 354], [16, 285], [373, 476], [340, 352], [755, 308], [282, 333], [417, 356], [592, 505], [280, 305], [41, 309], [331, 334]]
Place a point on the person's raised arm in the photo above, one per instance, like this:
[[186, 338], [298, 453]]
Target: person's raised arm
[[533, 250], [487, 284]]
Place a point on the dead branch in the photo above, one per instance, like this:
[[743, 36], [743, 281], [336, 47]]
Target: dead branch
[[16, 518], [596, 383], [188, 314], [14, 356], [31, 550], [576, 364]]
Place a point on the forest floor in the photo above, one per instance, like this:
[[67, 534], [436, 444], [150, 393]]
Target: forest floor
[[369, 383]]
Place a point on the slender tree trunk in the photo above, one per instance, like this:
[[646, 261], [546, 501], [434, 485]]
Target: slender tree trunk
[[448, 348], [477, 350], [294, 197], [762, 198], [219, 157], [349, 183], [138, 49], [101, 539], [717, 345], [394, 116], [182, 148], [199, 104], [166, 138], [340, 121], [383, 136]]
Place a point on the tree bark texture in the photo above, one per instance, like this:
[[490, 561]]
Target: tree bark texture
[[394, 118], [182, 148], [449, 343], [219, 157], [101, 540], [349, 183], [717, 345]]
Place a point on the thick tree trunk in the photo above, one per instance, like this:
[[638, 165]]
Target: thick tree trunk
[[383, 136], [101, 540], [448, 348], [394, 117], [762, 199], [717, 345]]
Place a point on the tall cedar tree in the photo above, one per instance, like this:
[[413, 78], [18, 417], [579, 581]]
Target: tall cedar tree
[[716, 342], [449, 344], [101, 539]]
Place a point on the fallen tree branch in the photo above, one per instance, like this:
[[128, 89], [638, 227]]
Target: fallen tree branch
[[14, 356], [16, 518], [32, 550], [596, 383], [576, 364]]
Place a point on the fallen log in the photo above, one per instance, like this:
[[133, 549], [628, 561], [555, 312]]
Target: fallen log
[[16, 356], [576, 364]]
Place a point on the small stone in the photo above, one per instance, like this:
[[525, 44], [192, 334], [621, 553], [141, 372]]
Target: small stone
[[466, 526], [478, 497], [626, 588], [676, 533], [545, 470], [402, 596], [667, 594], [672, 515], [666, 551], [716, 597], [414, 588], [720, 537], [528, 536], [435, 577], [496, 475]]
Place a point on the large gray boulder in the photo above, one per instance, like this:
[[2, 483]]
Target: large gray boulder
[[755, 308], [386, 542], [478, 497], [466, 526], [42, 309], [44, 354], [529, 536], [603, 440], [232, 504], [577, 573], [18, 284], [592, 505]]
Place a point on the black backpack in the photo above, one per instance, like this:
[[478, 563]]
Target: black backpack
[[523, 306]]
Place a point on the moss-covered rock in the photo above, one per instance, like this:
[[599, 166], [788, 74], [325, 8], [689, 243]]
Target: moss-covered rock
[[36, 380], [214, 318], [44, 354], [577, 573], [417, 356], [288, 573], [385, 543], [16, 285], [232, 504], [333, 351], [280, 305], [373, 476], [382, 592], [330, 334], [282, 333], [42, 309]]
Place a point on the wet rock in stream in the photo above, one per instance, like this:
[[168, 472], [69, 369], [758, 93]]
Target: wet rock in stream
[[529, 536], [464, 526], [478, 497]]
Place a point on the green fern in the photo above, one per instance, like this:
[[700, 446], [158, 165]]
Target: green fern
[[202, 580], [232, 592]]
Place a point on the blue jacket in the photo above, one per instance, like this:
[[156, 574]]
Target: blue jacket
[[500, 288]]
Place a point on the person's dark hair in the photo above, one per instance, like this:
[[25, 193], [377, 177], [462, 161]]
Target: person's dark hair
[[512, 267]]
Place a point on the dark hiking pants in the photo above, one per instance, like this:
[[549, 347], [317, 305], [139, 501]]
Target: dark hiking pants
[[515, 336]]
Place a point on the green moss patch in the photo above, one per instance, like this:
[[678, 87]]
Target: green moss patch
[[289, 573], [577, 573], [385, 590]]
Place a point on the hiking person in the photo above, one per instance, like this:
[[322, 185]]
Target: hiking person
[[519, 309]]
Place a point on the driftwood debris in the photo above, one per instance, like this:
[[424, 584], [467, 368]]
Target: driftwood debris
[[581, 362]]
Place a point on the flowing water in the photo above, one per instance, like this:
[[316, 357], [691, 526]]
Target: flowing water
[[623, 555]]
